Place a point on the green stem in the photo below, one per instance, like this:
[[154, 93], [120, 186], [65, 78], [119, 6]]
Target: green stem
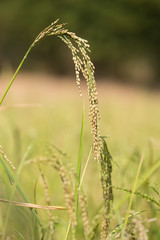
[[19, 67]]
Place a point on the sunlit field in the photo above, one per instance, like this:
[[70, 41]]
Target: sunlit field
[[42, 110]]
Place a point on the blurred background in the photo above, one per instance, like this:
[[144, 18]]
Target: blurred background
[[124, 37]]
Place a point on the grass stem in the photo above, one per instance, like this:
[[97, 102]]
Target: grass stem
[[14, 76]]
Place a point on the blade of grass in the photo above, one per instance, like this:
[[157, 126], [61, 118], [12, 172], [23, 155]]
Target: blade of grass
[[79, 164], [132, 194], [85, 168]]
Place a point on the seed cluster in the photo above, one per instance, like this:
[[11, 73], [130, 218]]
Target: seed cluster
[[79, 48]]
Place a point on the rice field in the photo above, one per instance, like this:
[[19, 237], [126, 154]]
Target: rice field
[[44, 112]]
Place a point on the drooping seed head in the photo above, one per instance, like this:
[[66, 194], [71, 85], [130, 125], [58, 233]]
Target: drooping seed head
[[79, 48]]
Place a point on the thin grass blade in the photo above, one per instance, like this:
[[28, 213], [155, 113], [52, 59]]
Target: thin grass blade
[[85, 168]]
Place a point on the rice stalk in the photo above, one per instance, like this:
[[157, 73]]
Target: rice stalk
[[79, 48]]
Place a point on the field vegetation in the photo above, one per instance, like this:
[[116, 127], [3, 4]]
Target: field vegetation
[[50, 158]]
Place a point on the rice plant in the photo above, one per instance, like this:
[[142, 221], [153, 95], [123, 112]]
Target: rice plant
[[70, 219]]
